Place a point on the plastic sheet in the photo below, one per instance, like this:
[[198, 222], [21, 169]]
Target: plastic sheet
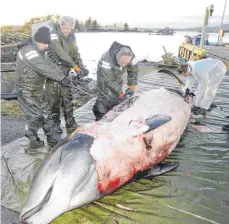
[[197, 192]]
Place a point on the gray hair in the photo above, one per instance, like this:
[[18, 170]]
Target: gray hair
[[66, 20], [124, 51]]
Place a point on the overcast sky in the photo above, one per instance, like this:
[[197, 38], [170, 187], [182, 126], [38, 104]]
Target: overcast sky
[[143, 13]]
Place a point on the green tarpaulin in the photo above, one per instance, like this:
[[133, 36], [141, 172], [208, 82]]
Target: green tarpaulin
[[196, 192]]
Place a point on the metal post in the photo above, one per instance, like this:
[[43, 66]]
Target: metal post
[[208, 12], [204, 28], [221, 22]]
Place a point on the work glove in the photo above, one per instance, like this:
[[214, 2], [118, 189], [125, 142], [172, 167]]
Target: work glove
[[81, 71], [84, 70], [76, 68], [189, 93], [130, 91], [65, 82], [121, 97], [78, 72]]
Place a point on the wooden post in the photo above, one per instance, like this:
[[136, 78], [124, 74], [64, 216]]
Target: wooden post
[[208, 12], [221, 24]]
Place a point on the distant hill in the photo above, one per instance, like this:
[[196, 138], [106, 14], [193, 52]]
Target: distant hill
[[209, 29]]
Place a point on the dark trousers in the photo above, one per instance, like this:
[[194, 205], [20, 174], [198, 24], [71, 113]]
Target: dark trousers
[[60, 97]]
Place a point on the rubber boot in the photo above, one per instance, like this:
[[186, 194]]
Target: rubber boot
[[211, 107], [56, 119], [194, 109], [34, 144], [226, 127], [58, 129], [200, 111], [53, 139], [35, 141], [72, 126]]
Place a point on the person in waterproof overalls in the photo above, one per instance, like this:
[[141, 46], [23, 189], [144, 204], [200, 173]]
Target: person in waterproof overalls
[[209, 73], [111, 68], [64, 50], [33, 66]]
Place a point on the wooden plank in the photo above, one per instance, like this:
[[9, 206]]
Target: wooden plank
[[220, 52]]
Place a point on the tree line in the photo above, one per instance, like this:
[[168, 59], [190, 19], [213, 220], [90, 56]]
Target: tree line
[[87, 25]]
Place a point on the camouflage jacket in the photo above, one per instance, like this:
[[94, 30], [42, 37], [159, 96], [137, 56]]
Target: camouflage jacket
[[33, 67], [65, 49], [110, 75]]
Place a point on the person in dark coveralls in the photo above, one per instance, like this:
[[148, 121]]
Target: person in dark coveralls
[[110, 71], [33, 66], [65, 51]]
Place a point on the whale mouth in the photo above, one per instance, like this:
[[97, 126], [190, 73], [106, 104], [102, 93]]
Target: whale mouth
[[81, 142], [38, 207]]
